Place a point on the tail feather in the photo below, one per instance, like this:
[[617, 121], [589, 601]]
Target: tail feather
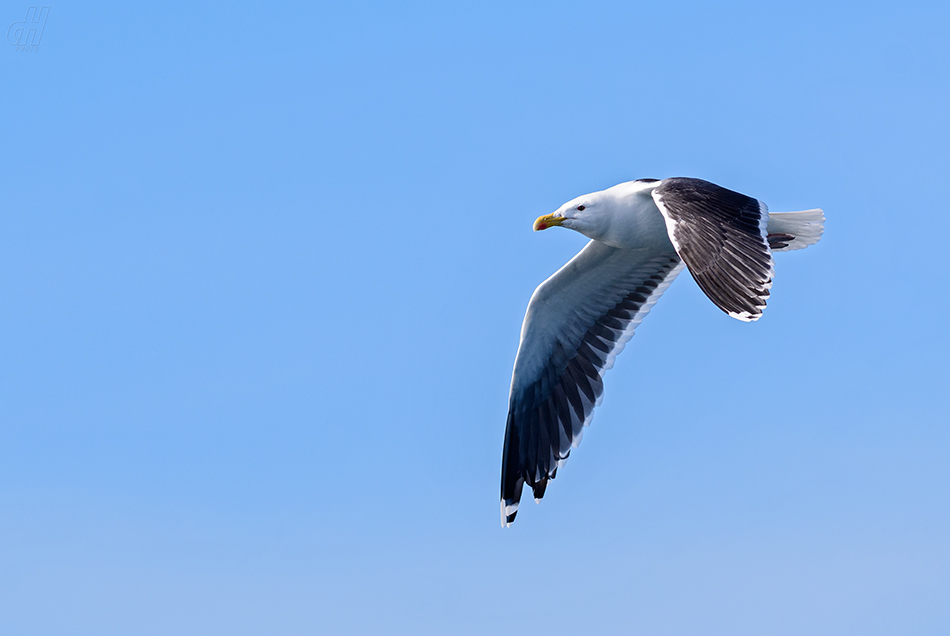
[[804, 228]]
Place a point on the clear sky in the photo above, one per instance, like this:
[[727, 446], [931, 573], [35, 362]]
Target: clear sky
[[263, 271]]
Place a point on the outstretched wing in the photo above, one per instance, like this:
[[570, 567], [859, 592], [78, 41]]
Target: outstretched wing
[[722, 237], [577, 322]]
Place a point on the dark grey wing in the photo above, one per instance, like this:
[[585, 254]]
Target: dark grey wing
[[722, 237], [577, 322]]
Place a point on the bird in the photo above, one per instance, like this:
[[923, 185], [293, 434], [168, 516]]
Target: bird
[[642, 234]]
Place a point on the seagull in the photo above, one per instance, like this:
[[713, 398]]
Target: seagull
[[642, 234]]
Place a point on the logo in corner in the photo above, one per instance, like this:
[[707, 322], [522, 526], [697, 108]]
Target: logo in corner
[[25, 35]]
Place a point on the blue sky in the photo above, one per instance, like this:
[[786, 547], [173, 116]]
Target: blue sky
[[263, 273]]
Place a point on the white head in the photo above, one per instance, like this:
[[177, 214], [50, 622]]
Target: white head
[[599, 215], [581, 214]]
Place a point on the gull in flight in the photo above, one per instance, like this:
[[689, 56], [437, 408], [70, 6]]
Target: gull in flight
[[642, 234]]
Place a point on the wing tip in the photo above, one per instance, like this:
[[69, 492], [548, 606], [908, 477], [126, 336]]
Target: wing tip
[[509, 507], [509, 510], [745, 316]]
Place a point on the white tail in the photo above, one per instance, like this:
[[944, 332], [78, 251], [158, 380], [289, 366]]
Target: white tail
[[803, 227]]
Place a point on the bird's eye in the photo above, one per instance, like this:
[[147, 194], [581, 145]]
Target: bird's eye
[[580, 208]]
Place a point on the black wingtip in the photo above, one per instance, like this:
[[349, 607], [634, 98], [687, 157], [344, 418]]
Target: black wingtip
[[539, 488], [509, 510]]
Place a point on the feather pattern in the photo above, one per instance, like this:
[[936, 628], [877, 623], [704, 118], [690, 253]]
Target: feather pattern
[[722, 237], [577, 323]]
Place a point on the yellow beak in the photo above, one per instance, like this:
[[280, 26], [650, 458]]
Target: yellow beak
[[546, 221]]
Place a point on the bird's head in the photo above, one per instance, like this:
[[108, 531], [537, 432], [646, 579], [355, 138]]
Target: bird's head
[[581, 214], [618, 216]]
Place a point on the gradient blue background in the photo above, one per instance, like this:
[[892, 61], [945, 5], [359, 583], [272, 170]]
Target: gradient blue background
[[263, 271]]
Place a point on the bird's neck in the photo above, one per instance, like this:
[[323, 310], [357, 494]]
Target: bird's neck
[[633, 220]]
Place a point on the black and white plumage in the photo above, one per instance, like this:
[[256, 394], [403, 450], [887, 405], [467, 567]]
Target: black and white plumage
[[642, 235]]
